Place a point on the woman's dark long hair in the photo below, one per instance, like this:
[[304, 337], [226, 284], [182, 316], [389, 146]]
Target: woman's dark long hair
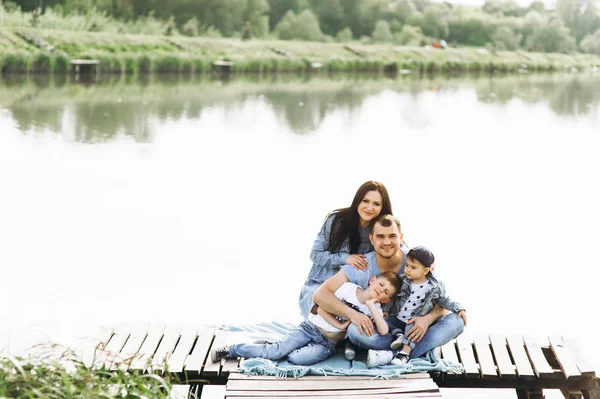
[[346, 222]]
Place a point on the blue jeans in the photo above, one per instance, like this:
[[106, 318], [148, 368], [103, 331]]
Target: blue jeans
[[397, 326], [304, 345], [439, 333]]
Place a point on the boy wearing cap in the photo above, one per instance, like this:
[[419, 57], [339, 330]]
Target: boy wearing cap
[[420, 291]]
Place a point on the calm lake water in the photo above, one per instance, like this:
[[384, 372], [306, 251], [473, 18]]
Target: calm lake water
[[197, 201]]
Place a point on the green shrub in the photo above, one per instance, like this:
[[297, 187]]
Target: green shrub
[[200, 65], [168, 64], [42, 62], [131, 65], [17, 62], [144, 64], [61, 63]]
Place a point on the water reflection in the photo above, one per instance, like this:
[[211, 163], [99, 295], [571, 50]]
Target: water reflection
[[102, 110]]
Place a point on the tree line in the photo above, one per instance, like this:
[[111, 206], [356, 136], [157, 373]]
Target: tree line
[[499, 24]]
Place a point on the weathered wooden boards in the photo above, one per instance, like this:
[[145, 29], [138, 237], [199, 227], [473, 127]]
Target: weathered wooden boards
[[525, 363], [522, 362], [253, 387]]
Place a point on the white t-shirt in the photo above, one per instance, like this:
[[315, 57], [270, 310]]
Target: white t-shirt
[[347, 294]]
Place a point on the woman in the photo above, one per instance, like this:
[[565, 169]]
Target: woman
[[344, 238]]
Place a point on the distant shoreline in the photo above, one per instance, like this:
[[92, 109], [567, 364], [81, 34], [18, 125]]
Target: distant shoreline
[[42, 51]]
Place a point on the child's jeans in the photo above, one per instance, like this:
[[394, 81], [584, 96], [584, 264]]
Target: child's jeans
[[397, 326], [439, 333], [304, 345]]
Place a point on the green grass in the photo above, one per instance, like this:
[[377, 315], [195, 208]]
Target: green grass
[[58, 373], [140, 54]]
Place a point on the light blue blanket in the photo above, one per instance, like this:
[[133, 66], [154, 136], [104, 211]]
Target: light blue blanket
[[335, 365]]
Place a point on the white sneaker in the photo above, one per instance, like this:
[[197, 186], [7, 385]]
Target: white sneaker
[[401, 358], [397, 344], [379, 358]]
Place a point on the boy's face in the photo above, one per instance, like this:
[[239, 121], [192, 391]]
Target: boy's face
[[381, 289], [414, 270]]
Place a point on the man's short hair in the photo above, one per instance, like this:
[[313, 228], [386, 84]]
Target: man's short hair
[[386, 221]]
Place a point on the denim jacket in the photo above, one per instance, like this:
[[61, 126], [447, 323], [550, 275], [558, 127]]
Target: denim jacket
[[436, 295], [325, 263]]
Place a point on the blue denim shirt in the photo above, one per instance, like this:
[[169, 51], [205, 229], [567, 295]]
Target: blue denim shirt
[[326, 263], [436, 295]]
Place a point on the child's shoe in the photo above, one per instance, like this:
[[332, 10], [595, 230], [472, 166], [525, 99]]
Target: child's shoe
[[397, 344], [401, 358], [379, 358], [220, 353]]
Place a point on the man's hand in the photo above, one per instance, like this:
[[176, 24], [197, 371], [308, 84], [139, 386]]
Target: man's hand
[[463, 315], [417, 332], [363, 323]]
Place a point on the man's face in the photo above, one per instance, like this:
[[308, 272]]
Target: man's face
[[386, 240]]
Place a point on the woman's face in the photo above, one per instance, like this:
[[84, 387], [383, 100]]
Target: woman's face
[[370, 207]]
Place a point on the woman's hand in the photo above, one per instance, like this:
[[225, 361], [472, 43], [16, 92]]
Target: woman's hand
[[359, 262]]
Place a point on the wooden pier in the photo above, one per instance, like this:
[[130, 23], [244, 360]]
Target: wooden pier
[[524, 363]]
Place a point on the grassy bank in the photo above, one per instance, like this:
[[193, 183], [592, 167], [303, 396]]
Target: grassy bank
[[59, 374], [27, 50]]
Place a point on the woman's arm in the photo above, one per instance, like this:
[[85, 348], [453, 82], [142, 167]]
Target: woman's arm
[[319, 254]]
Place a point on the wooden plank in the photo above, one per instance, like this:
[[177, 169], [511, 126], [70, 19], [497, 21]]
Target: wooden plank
[[586, 370], [229, 365], [94, 348], [211, 368], [565, 358], [411, 376], [325, 392], [179, 392], [467, 357], [350, 395], [164, 350], [213, 392], [195, 361], [483, 350], [128, 353], [572, 393], [449, 352], [538, 360], [506, 370], [519, 355], [146, 352], [116, 343], [183, 348], [338, 384]]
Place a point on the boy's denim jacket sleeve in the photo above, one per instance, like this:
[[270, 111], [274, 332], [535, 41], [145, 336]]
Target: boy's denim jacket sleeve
[[319, 255], [436, 295]]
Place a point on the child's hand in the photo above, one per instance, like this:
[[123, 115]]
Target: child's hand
[[386, 315], [463, 315], [372, 301]]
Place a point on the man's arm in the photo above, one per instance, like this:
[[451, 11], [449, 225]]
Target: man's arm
[[325, 298], [331, 320], [422, 323]]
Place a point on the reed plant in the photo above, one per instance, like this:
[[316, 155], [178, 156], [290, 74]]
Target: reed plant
[[56, 372]]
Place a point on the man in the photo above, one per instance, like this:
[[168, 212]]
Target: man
[[430, 331]]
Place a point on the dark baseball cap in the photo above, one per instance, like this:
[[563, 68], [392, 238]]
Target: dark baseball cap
[[423, 255]]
